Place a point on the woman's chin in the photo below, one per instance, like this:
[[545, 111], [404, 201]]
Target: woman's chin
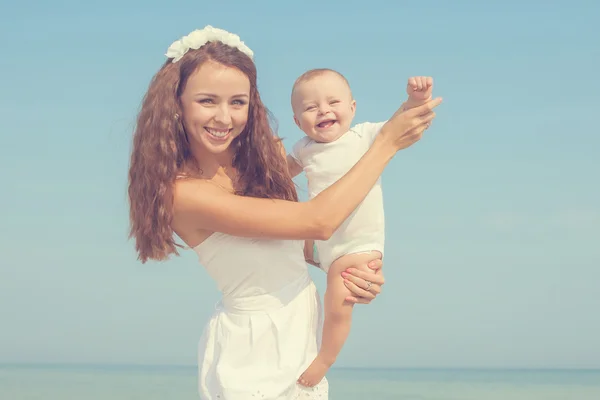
[[216, 145]]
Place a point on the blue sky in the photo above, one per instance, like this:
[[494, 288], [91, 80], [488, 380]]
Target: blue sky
[[493, 219]]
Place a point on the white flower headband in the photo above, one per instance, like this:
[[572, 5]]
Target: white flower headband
[[200, 37]]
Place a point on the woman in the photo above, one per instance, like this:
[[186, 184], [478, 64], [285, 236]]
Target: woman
[[206, 165]]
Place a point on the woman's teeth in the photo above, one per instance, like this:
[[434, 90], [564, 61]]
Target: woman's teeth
[[217, 132]]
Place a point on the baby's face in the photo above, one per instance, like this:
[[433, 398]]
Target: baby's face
[[323, 107]]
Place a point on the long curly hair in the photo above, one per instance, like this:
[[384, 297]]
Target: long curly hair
[[161, 149]]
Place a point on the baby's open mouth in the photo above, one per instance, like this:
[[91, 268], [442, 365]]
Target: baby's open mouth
[[326, 124]]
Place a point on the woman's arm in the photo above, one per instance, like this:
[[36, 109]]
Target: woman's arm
[[205, 206]]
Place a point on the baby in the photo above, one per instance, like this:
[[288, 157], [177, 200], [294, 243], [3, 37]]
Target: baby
[[324, 108]]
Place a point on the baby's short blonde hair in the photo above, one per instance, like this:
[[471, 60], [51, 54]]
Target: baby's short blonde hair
[[308, 75]]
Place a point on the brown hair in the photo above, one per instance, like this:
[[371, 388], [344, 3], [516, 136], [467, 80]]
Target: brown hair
[[160, 150]]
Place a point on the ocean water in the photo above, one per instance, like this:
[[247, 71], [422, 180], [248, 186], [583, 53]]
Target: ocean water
[[154, 383]]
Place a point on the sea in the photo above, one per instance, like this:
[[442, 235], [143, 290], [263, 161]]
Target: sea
[[96, 382]]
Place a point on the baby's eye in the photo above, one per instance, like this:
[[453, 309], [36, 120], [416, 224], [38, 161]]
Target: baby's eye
[[334, 102], [310, 108]]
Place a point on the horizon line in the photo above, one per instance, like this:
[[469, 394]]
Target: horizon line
[[194, 366]]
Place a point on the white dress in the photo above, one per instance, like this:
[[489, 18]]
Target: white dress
[[265, 330]]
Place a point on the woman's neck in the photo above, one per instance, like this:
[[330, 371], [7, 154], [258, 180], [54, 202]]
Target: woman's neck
[[217, 168]]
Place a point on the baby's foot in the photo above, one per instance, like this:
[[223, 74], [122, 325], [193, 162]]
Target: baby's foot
[[314, 373]]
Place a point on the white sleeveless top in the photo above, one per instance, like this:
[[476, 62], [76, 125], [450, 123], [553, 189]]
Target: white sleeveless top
[[265, 331]]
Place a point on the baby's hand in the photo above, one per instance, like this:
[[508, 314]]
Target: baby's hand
[[309, 253], [419, 90]]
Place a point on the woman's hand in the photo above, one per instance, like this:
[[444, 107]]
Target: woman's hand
[[405, 128], [364, 281]]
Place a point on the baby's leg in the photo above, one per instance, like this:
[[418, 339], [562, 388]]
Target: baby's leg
[[338, 316]]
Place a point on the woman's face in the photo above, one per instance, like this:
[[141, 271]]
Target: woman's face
[[215, 106]]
